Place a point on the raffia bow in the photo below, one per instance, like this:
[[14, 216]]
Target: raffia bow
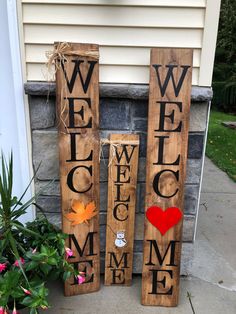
[[58, 55]]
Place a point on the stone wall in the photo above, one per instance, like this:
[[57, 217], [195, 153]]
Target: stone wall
[[123, 109]]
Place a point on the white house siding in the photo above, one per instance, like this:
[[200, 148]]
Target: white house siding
[[125, 31]]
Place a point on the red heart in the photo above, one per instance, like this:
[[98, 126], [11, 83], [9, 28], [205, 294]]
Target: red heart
[[163, 220]]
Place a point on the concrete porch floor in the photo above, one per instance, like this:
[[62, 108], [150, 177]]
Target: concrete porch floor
[[212, 282]]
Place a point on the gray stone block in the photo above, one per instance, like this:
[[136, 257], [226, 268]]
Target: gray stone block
[[139, 109], [114, 114], [53, 218], [130, 91], [45, 151], [42, 112], [40, 88], [142, 169], [188, 228], [103, 170], [198, 116], [143, 144], [140, 124], [49, 204], [195, 145], [200, 94], [47, 188], [193, 171], [103, 197], [141, 197], [191, 199]]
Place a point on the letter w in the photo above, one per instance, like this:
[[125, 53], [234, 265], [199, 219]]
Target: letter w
[[85, 84], [169, 76], [125, 152]]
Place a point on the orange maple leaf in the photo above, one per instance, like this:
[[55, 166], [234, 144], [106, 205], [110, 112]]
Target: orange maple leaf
[[81, 213]]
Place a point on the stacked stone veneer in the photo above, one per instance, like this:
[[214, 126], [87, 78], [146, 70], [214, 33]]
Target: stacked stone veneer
[[123, 109]]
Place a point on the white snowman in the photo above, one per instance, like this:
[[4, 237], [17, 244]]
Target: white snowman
[[120, 239]]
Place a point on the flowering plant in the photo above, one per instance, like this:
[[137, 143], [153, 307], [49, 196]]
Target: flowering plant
[[30, 254]]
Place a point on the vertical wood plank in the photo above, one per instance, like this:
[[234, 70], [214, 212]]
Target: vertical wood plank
[[168, 123], [122, 181], [77, 92]]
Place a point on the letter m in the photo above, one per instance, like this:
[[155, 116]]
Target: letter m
[[124, 259], [88, 245], [171, 247], [170, 76]]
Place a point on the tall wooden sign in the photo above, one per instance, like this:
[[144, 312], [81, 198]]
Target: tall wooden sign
[[78, 116], [168, 122], [122, 180]]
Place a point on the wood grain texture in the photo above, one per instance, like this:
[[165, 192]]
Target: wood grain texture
[[82, 155], [122, 181], [175, 144]]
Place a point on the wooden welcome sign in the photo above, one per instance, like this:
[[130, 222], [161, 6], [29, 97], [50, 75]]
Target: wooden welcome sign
[[122, 180], [78, 115], [168, 120]]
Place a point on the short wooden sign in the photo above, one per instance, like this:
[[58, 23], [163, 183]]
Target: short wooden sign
[[168, 123], [122, 180], [77, 92]]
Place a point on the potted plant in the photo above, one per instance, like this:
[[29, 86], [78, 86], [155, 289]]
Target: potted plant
[[30, 254]]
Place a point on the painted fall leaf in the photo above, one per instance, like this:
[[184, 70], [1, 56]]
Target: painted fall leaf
[[81, 213]]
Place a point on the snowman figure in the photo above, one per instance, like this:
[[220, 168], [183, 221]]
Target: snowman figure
[[120, 239]]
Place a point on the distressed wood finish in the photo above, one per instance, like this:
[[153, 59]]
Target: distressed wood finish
[[78, 130], [166, 151], [122, 180]]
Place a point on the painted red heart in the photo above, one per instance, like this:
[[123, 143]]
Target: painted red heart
[[163, 220]]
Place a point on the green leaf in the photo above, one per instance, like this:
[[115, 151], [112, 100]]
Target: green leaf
[[17, 225], [66, 275], [45, 268], [52, 261], [33, 311], [27, 301], [44, 250], [31, 265]]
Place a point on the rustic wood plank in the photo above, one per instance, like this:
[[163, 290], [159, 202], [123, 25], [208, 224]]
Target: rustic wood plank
[[122, 181], [168, 124], [78, 132]]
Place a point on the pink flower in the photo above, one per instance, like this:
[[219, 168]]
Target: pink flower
[[69, 252], [34, 251], [3, 266], [17, 262], [81, 278], [2, 310], [26, 291], [15, 311]]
